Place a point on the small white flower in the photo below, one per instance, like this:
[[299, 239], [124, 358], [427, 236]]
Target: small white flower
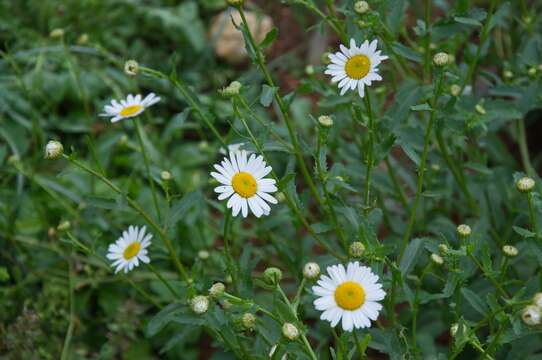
[[355, 67], [199, 304], [350, 294], [129, 108], [242, 181], [130, 249]]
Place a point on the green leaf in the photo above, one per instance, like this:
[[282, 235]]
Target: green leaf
[[181, 208], [406, 52], [523, 232], [421, 107], [266, 97], [467, 21], [474, 300], [411, 255], [269, 38]]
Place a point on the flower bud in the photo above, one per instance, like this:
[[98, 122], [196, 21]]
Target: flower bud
[[216, 290], [56, 33], [525, 184], [356, 249], [249, 321], [531, 71], [64, 226], [165, 175], [480, 109], [309, 70], [508, 74], [53, 150], [510, 250], [203, 254], [325, 120], [290, 331], [437, 259], [463, 230], [361, 7], [537, 300], [455, 90], [272, 275], [311, 270], [443, 249], [131, 68], [199, 304], [232, 89], [82, 39], [531, 315], [235, 2], [441, 59]]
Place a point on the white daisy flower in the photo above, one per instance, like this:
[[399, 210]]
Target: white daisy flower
[[350, 295], [244, 184], [356, 67], [129, 108], [129, 249]]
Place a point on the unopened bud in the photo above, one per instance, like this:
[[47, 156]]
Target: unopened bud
[[455, 90], [510, 250], [53, 150], [525, 184], [356, 249], [203, 254], [199, 304], [216, 290], [249, 321], [443, 249], [311, 270], [463, 230], [272, 275], [232, 89], [531, 71], [64, 226], [325, 120], [480, 109], [290, 331], [361, 7], [82, 39], [531, 315], [441, 59], [165, 175], [56, 33], [131, 68], [309, 70], [508, 74], [437, 259]]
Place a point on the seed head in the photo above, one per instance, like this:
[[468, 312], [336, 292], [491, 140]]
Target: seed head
[[199, 304], [356, 249], [531, 315], [53, 150], [311, 270], [290, 331], [131, 68], [525, 184]]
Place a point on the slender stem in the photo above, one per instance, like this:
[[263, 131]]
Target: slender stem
[[491, 279], [69, 333], [532, 215], [134, 205], [334, 23], [358, 345], [163, 280], [143, 293], [524, 149], [423, 159], [147, 167], [283, 109], [415, 308], [427, 41], [397, 186], [290, 202], [227, 251], [370, 155]]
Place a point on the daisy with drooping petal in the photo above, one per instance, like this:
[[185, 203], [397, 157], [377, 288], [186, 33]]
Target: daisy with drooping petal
[[355, 67], [129, 249], [350, 294], [129, 108], [244, 184]]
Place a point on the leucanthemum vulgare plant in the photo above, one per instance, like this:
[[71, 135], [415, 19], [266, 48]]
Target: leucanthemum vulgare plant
[[364, 185]]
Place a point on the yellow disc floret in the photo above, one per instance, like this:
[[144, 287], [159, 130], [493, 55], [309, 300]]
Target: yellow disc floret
[[131, 250], [244, 184], [358, 66], [130, 110], [350, 295]]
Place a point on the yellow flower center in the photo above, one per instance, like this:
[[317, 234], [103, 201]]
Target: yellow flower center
[[358, 66], [349, 295], [130, 110], [244, 184], [131, 250]]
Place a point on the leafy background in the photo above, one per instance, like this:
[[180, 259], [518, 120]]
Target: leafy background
[[55, 88]]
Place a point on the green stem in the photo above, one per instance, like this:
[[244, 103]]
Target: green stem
[[334, 23], [495, 283], [396, 185], [69, 333], [415, 309], [227, 251], [524, 149], [163, 280], [370, 154], [532, 215], [283, 109], [423, 159], [134, 205], [147, 168], [427, 41], [143, 293], [359, 346]]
